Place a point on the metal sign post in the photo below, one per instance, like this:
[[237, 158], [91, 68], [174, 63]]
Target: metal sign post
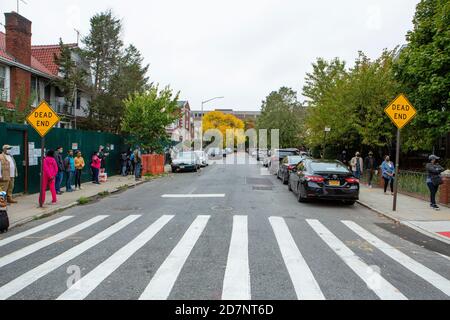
[[397, 165], [401, 112], [41, 191]]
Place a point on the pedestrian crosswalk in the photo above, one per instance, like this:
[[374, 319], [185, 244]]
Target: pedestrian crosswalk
[[238, 277]]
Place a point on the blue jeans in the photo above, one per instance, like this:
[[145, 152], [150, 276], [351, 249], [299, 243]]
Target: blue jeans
[[69, 178], [433, 192], [58, 181], [137, 170], [95, 173]]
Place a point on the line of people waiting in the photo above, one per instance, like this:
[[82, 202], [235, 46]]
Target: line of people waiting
[[56, 167], [369, 165]]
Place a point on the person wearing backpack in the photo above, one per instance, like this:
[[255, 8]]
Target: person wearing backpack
[[434, 179]]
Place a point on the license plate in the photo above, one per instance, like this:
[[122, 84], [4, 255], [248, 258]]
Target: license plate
[[181, 167], [334, 183]]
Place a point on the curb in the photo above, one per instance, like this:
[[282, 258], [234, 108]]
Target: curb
[[54, 211], [407, 224]]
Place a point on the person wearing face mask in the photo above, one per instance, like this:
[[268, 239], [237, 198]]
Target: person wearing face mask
[[8, 172], [357, 164], [434, 179], [388, 170]]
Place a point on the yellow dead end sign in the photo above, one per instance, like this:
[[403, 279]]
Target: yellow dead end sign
[[401, 111], [43, 118]]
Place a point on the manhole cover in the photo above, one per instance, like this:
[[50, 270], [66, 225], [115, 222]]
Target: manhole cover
[[262, 188], [259, 181], [221, 208]]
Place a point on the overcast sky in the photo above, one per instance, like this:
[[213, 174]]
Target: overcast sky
[[239, 49]]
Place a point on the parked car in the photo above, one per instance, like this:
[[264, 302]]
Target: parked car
[[277, 156], [186, 161], [325, 180], [287, 165], [202, 157]]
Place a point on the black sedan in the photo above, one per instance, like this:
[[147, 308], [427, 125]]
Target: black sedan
[[287, 165], [321, 179]]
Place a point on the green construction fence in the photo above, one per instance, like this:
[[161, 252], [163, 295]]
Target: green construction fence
[[27, 150]]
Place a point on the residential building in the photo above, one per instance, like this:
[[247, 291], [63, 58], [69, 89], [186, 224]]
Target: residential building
[[27, 72], [182, 129]]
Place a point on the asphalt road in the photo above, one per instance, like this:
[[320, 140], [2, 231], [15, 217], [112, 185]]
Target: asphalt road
[[247, 238]]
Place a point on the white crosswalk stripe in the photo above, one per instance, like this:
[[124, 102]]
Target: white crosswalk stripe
[[162, 282], [28, 278], [380, 286], [237, 277], [425, 273], [19, 254], [236, 284], [305, 285], [88, 283], [28, 233]]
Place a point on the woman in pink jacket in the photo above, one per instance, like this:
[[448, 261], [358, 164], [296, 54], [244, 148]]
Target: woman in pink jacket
[[50, 170], [95, 167]]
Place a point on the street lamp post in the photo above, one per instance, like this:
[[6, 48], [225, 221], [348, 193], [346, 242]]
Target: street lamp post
[[203, 104]]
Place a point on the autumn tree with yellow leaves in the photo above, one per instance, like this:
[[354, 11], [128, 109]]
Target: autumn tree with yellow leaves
[[226, 124]]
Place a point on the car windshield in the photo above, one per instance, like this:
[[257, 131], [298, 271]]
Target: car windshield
[[334, 167], [284, 153], [294, 160], [186, 155]]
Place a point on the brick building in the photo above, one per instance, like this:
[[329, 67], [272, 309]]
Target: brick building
[[28, 71], [183, 128]]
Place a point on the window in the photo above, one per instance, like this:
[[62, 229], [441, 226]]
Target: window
[[3, 83]]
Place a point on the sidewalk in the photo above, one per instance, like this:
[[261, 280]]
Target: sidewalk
[[412, 212], [28, 208]]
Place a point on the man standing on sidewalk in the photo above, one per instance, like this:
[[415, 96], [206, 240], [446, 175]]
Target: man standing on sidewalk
[[137, 164], [434, 179], [69, 166], [60, 176], [8, 172], [357, 165], [371, 166]]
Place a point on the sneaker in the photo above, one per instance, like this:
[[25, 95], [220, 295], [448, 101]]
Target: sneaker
[[80, 188], [435, 207]]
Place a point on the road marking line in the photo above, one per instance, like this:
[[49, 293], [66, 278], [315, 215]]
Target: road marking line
[[27, 233], [28, 278], [88, 283], [168, 196], [305, 285], [164, 279], [443, 256], [236, 283], [380, 286], [425, 273], [19, 254]]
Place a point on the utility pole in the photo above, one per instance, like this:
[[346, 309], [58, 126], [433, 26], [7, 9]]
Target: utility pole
[[18, 1], [78, 36], [203, 104]]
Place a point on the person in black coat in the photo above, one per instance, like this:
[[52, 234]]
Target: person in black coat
[[61, 169], [370, 166]]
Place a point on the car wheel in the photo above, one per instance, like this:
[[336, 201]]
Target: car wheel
[[285, 180], [278, 175], [289, 186], [299, 196]]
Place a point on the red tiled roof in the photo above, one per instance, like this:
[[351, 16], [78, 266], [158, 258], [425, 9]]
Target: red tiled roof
[[42, 56], [45, 54]]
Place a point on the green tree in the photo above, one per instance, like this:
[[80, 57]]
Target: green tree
[[74, 76], [116, 72], [423, 69], [351, 102], [147, 114], [281, 110]]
